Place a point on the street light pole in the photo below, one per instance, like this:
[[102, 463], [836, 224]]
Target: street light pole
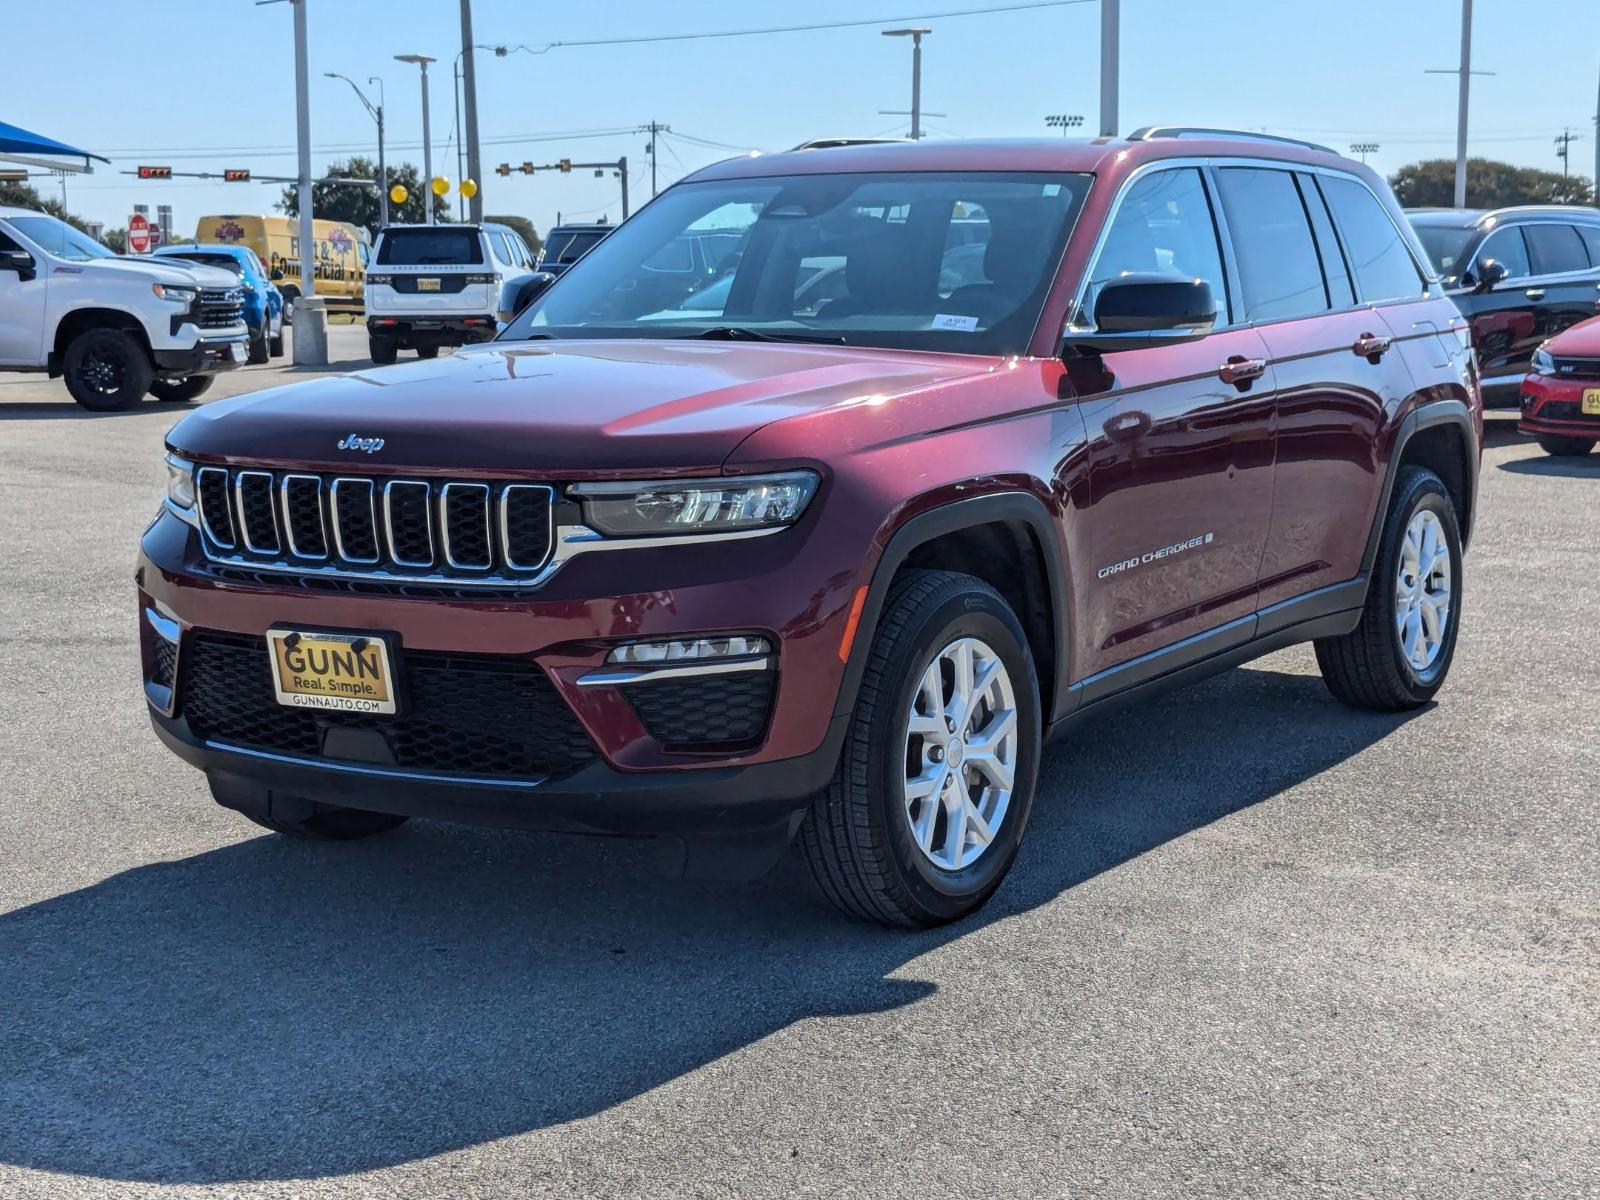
[[469, 85], [302, 118], [916, 75], [1464, 73], [422, 60], [1066, 122], [1110, 64], [376, 112], [1364, 149]]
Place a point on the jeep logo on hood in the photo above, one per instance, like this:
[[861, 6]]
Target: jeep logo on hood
[[354, 441]]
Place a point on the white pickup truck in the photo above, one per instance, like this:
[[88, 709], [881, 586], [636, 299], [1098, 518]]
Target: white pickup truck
[[115, 328]]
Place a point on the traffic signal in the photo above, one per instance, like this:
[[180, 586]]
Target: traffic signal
[[565, 166], [235, 176], [503, 169], [155, 172]]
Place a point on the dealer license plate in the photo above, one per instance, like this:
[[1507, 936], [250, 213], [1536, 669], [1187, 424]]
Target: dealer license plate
[[351, 672], [427, 285], [1591, 402]]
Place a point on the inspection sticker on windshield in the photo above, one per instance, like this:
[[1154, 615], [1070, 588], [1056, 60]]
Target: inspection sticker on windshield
[[962, 324]]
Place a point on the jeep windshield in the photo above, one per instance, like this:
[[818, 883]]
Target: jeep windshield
[[60, 239], [952, 261]]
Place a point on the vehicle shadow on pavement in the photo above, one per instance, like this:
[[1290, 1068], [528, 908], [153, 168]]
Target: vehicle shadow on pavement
[[275, 1010], [1574, 468]]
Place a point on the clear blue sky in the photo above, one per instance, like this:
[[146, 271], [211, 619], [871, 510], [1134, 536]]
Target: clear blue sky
[[211, 85]]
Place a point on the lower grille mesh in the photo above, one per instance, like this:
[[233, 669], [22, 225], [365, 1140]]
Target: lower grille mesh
[[705, 712], [460, 714]]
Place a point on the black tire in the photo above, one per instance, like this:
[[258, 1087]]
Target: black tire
[[1565, 447], [329, 823], [107, 370], [1365, 668], [181, 391], [259, 350], [427, 352], [857, 839], [290, 295], [275, 346], [383, 350]]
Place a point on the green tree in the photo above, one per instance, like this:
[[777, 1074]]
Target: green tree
[[1490, 184], [523, 226], [116, 239], [359, 205]]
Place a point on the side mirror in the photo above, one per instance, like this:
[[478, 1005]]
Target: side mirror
[[532, 289], [1138, 310], [1491, 271], [21, 262], [277, 274]]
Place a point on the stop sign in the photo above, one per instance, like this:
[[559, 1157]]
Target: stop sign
[[138, 234]]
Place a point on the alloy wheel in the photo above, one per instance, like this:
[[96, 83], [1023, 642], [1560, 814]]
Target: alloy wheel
[[1422, 591], [960, 754]]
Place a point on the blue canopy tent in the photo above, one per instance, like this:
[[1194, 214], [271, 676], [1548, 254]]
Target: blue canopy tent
[[35, 150]]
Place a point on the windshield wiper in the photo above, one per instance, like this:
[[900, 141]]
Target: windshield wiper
[[743, 333]]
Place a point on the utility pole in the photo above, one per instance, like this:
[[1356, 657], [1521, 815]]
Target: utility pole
[[1464, 73], [422, 60], [469, 85], [622, 169], [302, 116], [1110, 64], [1564, 141], [655, 129], [916, 75]]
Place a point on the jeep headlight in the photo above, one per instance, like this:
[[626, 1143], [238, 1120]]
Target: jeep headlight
[[180, 483], [1544, 362], [673, 507], [178, 295]]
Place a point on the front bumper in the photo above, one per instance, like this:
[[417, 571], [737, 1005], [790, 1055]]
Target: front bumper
[[1555, 406], [750, 797], [206, 357]]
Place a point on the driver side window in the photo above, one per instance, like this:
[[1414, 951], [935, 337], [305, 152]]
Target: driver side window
[[1163, 226], [1506, 247]]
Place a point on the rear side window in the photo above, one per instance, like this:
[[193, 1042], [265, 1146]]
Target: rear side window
[[1163, 226], [440, 246], [1591, 239], [1555, 248], [1279, 271], [1340, 293], [1383, 266], [1506, 247]]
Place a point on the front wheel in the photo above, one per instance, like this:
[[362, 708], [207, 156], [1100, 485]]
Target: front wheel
[[382, 350], [107, 370], [427, 352], [1397, 657], [290, 295], [181, 391], [1565, 447], [260, 350], [932, 792]]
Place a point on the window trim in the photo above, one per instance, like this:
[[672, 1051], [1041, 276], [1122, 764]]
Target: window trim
[[1207, 163]]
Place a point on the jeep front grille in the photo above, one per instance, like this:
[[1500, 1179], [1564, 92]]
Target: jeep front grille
[[399, 529]]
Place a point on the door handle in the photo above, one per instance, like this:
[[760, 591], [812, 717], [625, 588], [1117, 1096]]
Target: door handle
[[1372, 346], [1239, 370], [1534, 293]]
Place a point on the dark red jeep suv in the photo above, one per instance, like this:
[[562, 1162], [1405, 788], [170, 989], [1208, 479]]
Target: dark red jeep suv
[[816, 495]]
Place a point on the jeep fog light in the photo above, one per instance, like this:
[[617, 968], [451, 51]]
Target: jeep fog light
[[690, 650]]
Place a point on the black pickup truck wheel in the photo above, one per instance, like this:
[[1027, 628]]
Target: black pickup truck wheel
[[107, 370]]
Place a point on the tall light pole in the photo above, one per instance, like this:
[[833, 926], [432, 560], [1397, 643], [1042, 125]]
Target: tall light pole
[[376, 112], [469, 85], [422, 60], [1465, 74], [1110, 64], [463, 171], [302, 121], [916, 75], [1364, 149], [1066, 122]]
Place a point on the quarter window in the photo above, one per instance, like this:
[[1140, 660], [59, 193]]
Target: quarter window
[[1163, 225], [1279, 272], [1555, 249], [1383, 266], [1591, 239], [1506, 247], [1340, 292]]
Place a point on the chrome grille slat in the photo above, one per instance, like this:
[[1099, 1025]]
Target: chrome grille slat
[[427, 531]]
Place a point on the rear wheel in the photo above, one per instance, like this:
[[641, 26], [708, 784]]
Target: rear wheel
[[107, 370], [259, 349], [1565, 447], [383, 350], [290, 295], [427, 352], [275, 343], [931, 796], [1400, 653], [181, 391]]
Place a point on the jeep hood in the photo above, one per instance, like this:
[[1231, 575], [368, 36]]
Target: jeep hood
[[577, 408], [155, 270]]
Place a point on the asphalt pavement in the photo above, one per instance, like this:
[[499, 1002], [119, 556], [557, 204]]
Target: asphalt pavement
[[1255, 944]]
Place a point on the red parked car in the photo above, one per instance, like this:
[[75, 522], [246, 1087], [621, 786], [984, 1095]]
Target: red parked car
[[830, 570], [1561, 394]]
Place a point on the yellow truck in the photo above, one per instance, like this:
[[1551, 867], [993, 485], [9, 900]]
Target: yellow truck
[[342, 253]]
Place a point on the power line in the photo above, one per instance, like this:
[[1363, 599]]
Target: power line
[[821, 25]]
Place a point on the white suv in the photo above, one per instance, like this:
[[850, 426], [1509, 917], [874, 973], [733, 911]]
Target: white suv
[[116, 328], [442, 285]]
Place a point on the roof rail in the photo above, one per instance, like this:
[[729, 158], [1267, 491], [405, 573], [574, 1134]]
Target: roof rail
[[834, 143], [1151, 132]]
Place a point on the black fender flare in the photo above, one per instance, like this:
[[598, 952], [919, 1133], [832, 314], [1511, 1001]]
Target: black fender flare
[[992, 509], [1426, 416]]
